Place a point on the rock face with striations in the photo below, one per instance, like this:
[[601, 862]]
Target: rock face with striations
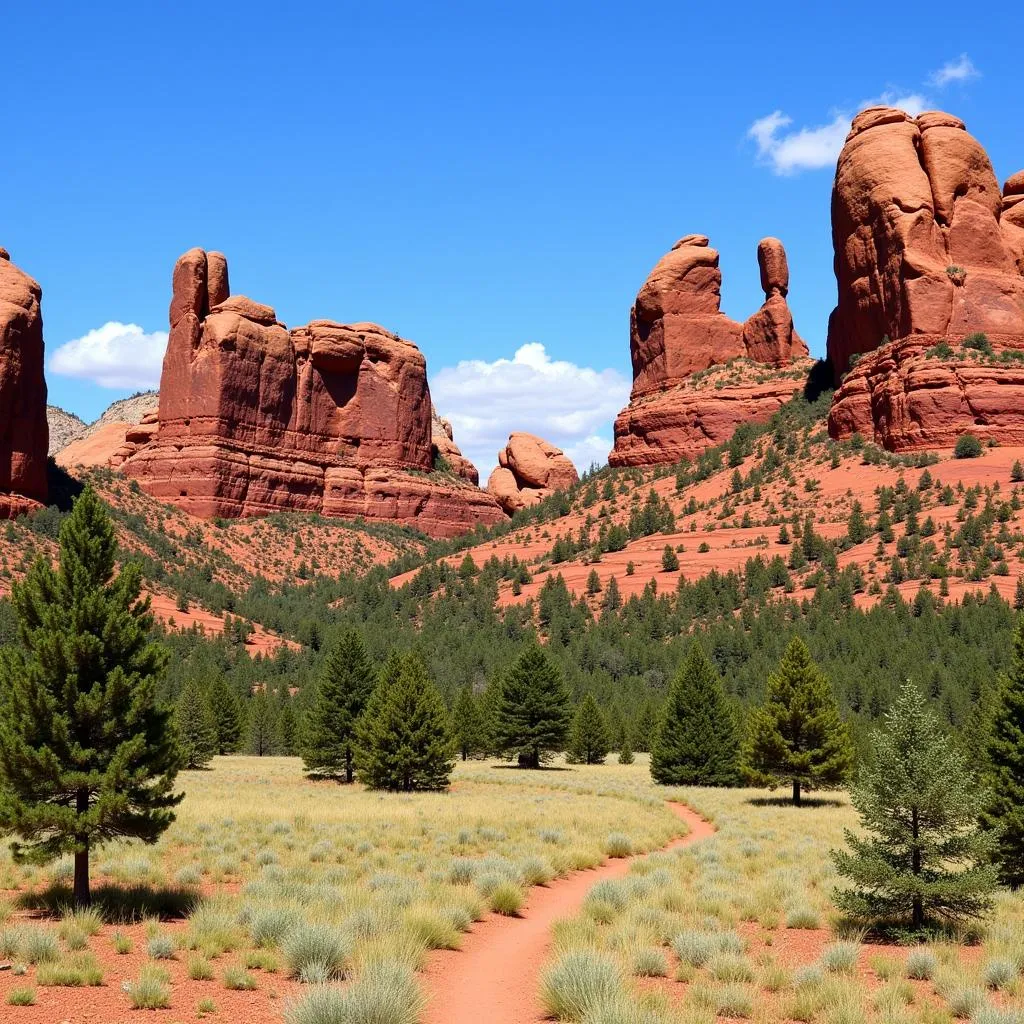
[[328, 417], [929, 252], [24, 434], [529, 469], [678, 332]]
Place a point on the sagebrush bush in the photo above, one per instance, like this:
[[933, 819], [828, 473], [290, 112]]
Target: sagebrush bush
[[315, 951]]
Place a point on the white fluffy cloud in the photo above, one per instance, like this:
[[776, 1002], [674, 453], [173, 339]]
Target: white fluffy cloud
[[959, 70], [804, 149], [789, 150], [571, 406], [115, 355]]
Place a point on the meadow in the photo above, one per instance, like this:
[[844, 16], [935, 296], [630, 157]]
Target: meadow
[[276, 898]]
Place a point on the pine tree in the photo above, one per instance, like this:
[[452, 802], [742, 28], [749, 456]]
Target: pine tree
[[593, 583], [626, 751], [922, 857], [197, 728], [345, 684], [669, 560], [227, 714], [588, 737], [261, 725], [797, 735], [87, 754], [1004, 809], [533, 712], [696, 741], [287, 727], [405, 741], [856, 525], [468, 725]]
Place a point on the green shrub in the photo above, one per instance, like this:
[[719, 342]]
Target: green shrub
[[238, 979], [151, 990], [921, 964], [967, 447], [316, 950], [507, 899], [75, 971]]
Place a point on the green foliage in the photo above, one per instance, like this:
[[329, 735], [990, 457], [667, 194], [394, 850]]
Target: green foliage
[[533, 712], [197, 727], [261, 733], [588, 737], [669, 560], [1004, 808], [227, 714], [468, 726], [87, 753], [967, 447], [346, 682], [923, 852], [696, 742], [798, 735], [403, 738]]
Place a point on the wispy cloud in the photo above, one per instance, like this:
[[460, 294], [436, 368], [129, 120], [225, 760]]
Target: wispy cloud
[[960, 70], [115, 355], [571, 406], [788, 149]]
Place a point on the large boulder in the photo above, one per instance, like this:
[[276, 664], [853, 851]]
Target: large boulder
[[678, 332], [919, 249], [529, 469], [327, 417], [24, 434], [929, 253]]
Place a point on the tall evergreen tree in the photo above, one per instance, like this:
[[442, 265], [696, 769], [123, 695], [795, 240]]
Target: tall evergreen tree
[[533, 712], [696, 742], [923, 852], [1003, 812], [87, 754], [588, 737], [197, 728], [797, 735], [227, 713], [261, 724], [329, 734], [405, 742], [468, 725]]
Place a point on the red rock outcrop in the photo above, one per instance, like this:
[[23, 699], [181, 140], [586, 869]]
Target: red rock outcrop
[[928, 252], [529, 469], [24, 435], [444, 447], [919, 249], [677, 330], [328, 417]]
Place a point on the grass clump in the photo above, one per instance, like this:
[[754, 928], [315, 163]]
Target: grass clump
[[578, 983], [921, 964], [964, 1003], [122, 943], [648, 962], [998, 974], [160, 947], [21, 997], [200, 969], [315, 952], [840, 957], [618, 844], [205, 1006], [384, 993], [151, 990], [507, 898], [78, 970], [238, 979]]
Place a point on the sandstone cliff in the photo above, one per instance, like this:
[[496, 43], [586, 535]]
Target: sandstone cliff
[[327, 417], [529, 469], [24, 435]]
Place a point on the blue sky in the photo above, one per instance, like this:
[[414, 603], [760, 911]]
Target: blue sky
[[477, 177]]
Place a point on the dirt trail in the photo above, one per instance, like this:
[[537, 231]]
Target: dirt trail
[[494, 976]]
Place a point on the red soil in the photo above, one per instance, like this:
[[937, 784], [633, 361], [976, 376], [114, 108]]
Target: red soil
[[495, 974]]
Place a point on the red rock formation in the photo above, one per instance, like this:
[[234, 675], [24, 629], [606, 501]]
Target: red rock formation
[[328, 417], [24, 435], [919, 250], [768, 336], [444, 447], [677, 329], [529, 470], [927, 252]]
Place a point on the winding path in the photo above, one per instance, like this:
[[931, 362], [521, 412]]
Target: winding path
[[494, 976]]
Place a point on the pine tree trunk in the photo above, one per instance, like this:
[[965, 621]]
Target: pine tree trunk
[[796, 792], [348, 767], [915, 865], [81, 891]]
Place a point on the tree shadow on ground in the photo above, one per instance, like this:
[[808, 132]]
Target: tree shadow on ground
[[117, 904], [524, 768], [787, 801]]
